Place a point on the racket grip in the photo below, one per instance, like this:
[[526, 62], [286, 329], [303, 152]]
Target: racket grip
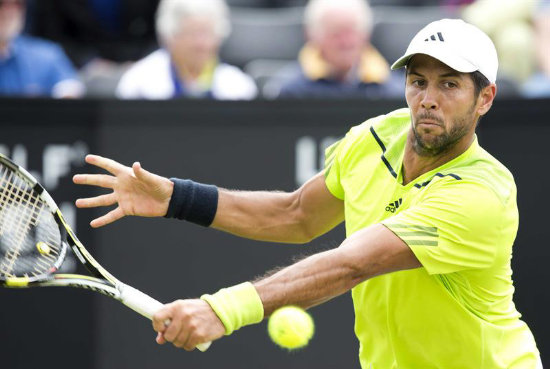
[[146, 306]]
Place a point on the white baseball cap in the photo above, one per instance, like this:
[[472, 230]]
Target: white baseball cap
[[460, 45]]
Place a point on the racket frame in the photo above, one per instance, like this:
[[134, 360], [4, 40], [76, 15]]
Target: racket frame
[[101, 280]]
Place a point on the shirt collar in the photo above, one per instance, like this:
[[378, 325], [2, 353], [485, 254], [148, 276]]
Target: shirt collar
[[201, 86], [372, 68], [206, 76]]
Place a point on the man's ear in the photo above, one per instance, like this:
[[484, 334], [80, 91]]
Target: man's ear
[[486, 98]]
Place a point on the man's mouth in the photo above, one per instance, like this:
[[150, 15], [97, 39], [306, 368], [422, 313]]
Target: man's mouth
[[429, 122]]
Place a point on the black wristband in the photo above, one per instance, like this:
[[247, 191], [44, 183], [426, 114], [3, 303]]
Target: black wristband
[[194, 202]]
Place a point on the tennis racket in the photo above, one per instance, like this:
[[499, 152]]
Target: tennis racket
[[34, 240]]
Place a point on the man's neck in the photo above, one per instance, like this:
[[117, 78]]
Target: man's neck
[[4, 48], [187, 71], [344, 75], [415, 165]]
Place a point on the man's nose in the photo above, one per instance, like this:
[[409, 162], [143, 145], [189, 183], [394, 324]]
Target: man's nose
[[429, 98]]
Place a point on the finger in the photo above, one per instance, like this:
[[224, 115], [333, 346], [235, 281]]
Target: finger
[[108, 218], [101, 180], [183, 339], [109, 165], [143, 174], [92, 202], [160, 339], [162, 318], [173, 331], [190, 341]]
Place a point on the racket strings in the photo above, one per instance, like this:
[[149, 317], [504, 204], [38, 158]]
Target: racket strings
[[29, 236]]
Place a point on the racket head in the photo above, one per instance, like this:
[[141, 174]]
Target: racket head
[[32, 233]]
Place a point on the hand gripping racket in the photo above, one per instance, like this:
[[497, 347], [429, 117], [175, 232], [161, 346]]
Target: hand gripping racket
[[34, 240]]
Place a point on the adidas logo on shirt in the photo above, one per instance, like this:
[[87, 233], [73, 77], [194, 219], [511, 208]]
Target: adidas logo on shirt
[[393, 206]]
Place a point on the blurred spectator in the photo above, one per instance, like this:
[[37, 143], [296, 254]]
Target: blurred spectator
[[90, 30], [338, 60], [508, 23], [538, 85], [190, 32], [31, 66]]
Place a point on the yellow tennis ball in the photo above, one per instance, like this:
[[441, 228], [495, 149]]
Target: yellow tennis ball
[[290, 327], [43, 248]]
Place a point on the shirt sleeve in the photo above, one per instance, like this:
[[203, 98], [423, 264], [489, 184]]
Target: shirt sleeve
[[456, 226], [332, 169], [63, 78], [62, 68], [335, 155]]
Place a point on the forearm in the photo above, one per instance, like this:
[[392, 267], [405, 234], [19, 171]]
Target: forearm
[[323, 276], [261, 215], [307, 283], [367, 253]]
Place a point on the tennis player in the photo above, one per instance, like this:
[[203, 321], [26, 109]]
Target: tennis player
[[430, 217]]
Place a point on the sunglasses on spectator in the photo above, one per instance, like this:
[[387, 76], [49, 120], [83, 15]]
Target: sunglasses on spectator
[[12, 2]]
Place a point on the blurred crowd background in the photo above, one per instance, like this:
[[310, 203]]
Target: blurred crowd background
[[246, 49]]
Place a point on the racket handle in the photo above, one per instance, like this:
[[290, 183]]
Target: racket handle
[[146, 306]]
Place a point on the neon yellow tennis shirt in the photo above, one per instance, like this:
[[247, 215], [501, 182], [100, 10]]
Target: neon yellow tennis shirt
[[460, 220]]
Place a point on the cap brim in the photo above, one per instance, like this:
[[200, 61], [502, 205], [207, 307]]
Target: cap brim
[[401, 62], [458, 64]]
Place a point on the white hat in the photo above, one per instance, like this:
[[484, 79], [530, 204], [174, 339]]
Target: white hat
[[460, 45]]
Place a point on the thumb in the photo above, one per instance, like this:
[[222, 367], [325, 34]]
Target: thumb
[[160, 339], [142, 174]]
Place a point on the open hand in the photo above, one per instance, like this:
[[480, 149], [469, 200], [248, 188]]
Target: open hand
[[135, 190]]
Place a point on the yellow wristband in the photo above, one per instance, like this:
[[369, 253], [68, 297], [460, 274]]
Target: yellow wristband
[[236, 306]]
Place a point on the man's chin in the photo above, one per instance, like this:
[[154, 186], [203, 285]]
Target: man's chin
[[428, 135], [427, 144]]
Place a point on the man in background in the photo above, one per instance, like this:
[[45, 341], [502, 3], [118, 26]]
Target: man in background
[[187, 65], [538, 84], [338, 60], [31, 66]]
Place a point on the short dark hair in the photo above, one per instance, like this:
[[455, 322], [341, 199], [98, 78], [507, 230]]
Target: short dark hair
[[480, 82]]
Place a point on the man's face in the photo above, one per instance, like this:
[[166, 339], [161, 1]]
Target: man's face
[[340, 38], [442, 103], [11, 18], [197, 42]]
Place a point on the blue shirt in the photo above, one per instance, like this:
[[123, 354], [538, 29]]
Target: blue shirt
[[33, 67]]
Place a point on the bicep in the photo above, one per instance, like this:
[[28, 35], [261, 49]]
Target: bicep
[[320, 210]]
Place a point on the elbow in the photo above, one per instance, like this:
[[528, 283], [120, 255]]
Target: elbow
[[303, 233], [307, 232], [304, 229]]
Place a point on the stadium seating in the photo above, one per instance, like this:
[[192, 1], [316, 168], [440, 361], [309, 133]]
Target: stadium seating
[[263, 34]]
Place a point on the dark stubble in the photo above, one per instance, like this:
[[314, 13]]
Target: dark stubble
[[445, 141]]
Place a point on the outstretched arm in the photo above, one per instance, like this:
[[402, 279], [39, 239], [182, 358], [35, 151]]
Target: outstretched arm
[[369, 252], [295, 217]]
